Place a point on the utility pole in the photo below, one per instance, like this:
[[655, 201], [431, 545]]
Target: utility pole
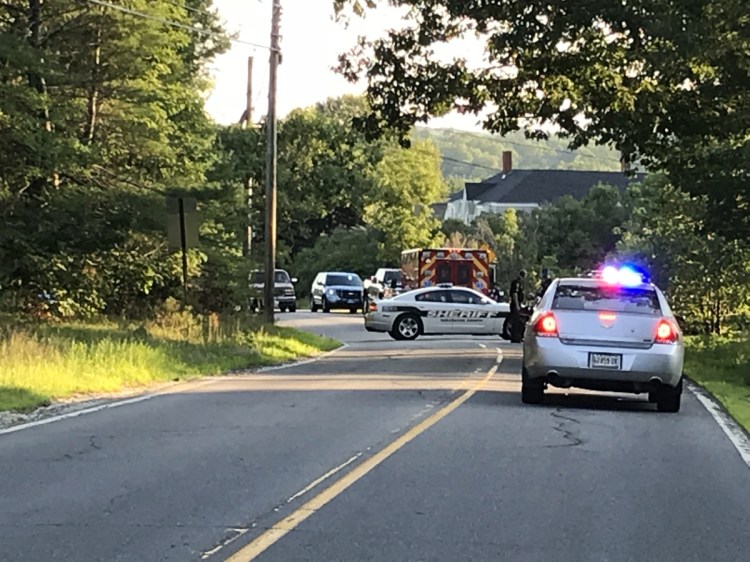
[[249, 103], [247, 241], [271, 166]]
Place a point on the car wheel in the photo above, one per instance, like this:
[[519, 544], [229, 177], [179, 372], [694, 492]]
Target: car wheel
[[313, 306], [282, 309], [326, 306], [293, 308], [406, 327], [532, 391], [353, 310], [668, 398]]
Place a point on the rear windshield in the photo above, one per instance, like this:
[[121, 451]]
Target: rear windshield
[[344, 280], [392, 276], [641, 300]]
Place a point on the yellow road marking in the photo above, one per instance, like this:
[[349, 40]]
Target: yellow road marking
[[289, 523]]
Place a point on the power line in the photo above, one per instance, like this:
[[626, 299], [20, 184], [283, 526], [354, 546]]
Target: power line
[[187, 8], [535, 146], [173, 23], [457, 161]]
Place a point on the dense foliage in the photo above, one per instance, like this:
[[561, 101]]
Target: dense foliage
[[101, 113], [653, 225], [663, 81], [101, 116]]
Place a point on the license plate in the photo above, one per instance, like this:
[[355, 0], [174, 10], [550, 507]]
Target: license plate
[[605, 361]]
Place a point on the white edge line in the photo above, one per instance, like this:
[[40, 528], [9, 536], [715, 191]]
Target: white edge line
[[736, 434], [342, 347], [172, 389], [323, 478]]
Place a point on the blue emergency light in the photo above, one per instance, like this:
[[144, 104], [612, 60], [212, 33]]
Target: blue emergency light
[[624, 275]]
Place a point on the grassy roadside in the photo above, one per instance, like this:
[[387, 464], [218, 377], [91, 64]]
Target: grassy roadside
[[45, 362], [722, 366]]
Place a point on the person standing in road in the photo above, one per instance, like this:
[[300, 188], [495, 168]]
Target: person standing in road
[[546, 282], [517, 296]]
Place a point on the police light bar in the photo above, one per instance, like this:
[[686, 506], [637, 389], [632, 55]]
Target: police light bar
[[624, 275]]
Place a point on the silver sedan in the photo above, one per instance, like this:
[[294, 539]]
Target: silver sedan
[[601, 334]]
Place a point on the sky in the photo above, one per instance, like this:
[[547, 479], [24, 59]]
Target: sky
[[311, 42]]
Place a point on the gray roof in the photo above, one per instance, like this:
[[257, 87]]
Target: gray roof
[[541, 186]]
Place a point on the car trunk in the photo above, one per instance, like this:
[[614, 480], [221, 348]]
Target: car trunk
[[603, 328]]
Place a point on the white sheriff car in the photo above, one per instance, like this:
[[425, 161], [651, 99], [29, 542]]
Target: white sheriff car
[[437, 310]]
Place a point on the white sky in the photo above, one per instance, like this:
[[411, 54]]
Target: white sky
[[311, 42]]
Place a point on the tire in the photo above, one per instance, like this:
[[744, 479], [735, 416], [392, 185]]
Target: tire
[[353, 310], [282, 309], [326, 306], [313, 306], [406, 327], [293, 308], [532, 391], [668, 398]]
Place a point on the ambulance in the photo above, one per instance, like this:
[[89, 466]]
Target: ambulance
[[461, 267]]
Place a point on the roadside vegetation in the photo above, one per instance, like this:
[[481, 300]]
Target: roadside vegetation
[[44, 362], [722, 366], [94, 140]]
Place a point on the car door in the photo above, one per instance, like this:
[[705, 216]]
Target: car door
[[317, 289], [471, 312], [434, 309]]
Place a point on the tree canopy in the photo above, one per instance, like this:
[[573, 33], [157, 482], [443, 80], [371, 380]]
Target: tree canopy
[[663, 81]]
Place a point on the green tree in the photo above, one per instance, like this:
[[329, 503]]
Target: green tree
[[101, 113], [664, 82], [407, 183], [705, 275], [352, 250]]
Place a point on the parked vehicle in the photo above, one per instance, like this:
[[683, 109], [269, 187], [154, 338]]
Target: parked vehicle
[[284, 295], [461, 267], [614, 332], [436, 310], [386, 283], [337, 290]]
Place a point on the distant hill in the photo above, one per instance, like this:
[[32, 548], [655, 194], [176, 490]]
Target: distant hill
[[474, 156]]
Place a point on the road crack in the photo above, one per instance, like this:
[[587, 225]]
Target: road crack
[[569, 435]]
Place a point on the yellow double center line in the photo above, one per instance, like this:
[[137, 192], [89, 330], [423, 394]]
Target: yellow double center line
[[289, 523]]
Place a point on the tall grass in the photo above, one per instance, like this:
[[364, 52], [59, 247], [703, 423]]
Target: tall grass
[[722, 366], [45, 362]]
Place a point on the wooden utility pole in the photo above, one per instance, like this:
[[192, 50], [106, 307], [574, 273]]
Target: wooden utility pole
[[247, 239], [271, 166], [249, 103]]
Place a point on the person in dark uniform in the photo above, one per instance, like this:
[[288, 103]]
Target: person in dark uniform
[[546, 282], [517, 296]]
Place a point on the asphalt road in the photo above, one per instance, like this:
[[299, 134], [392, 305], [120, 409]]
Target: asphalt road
[[376, 453]]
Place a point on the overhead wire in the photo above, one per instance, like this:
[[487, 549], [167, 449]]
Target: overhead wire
[[176, 24], [535, 146]]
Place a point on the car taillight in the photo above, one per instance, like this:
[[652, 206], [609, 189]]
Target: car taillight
[[546, 325], [666, 332], [373, 306]]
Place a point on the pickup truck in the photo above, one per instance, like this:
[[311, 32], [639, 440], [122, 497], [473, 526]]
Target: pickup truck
[[284, 296]]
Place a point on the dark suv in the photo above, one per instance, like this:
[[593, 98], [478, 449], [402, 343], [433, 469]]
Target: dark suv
[[283, 291], [335, 289]]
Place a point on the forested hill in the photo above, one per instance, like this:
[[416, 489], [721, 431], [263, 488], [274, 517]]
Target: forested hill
[[483, 153]]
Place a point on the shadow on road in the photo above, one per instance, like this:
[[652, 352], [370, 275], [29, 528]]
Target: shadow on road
[[575, 401]]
